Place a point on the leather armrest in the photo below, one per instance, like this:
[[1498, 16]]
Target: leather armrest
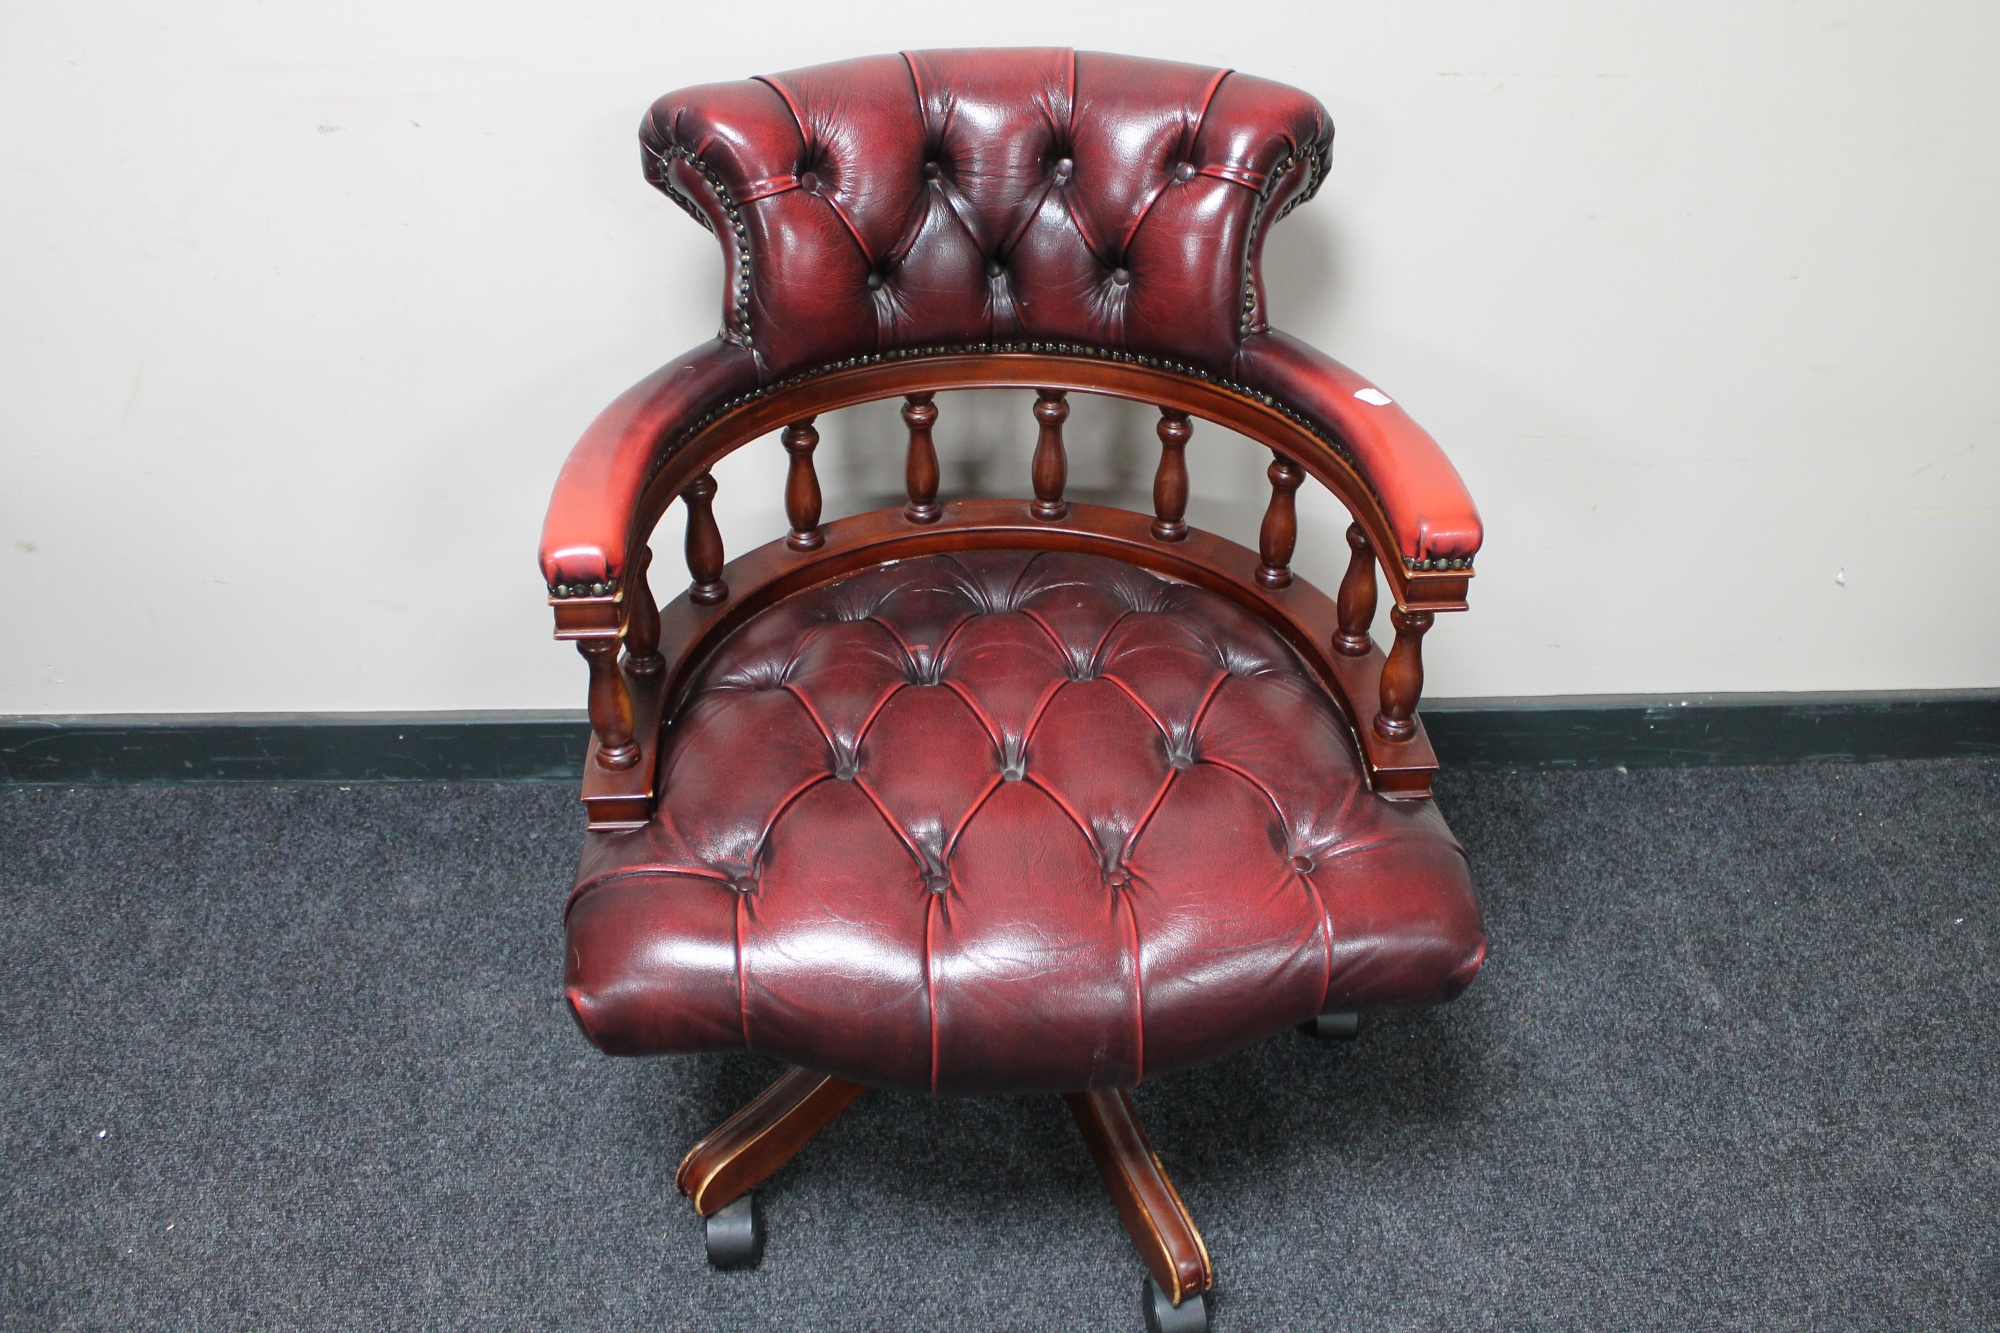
[[1428, 507], [588, 528]]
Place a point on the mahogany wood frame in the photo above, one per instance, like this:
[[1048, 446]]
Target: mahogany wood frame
[[628, 701]]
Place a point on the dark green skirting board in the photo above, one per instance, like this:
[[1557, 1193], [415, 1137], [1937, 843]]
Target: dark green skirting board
[[1573, 731]]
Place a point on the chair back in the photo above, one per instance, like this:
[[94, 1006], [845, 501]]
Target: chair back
[[959, 198]]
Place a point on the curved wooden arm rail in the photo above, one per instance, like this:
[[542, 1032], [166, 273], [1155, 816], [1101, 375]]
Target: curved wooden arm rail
[[1378, 694]]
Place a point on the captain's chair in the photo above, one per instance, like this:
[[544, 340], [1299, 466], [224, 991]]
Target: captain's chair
[[1000, 796]]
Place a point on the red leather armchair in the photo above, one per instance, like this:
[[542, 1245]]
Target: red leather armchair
[[1000, 796]]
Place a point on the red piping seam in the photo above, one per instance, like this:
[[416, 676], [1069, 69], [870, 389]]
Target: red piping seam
[[764, 189], [1138, 995], [852, 230], [1356, 848], [790, 799], [1028, 732], [930, 984], [1237, 176], [825, 732], [1145, 210], [1072, 94], [1146, 818], [1193, 134], [1062, 649], [1089, 242], [979, 715], [771, 81], [1254, 781], [861, 732], [916, 82], [1201, 709], [1096, 852], [1133, 695], [742, 981], [951, 844], [950, 639], [798, 651], [639, 872], [1207, 99], [916, 852], [805, 143], [1097, 648], [1326, 927]]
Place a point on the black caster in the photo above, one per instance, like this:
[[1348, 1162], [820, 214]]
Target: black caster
[[1163, 1316], [1333, 1027], [736, 1235]]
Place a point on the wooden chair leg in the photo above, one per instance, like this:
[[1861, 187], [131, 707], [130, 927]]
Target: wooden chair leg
[[749, 1147], [1152, 1211]]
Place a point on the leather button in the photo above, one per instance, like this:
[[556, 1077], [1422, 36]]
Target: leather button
[[937, 883], [994, 268], [1121, 276], [1302, 864], [745, 884], [1184, 172], [1065, 168], [874, 282], [1119, 878], [809, 182], [932, 171]]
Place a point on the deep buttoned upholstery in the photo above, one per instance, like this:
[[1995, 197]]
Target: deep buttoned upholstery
[[955, 197], [1005, 821]]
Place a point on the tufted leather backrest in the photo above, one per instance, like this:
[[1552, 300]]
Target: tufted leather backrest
[[963, 197]]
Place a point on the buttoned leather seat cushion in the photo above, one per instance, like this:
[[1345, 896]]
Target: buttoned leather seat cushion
[[1009, 821]]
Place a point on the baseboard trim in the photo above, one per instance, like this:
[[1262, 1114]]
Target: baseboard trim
[[1559, 731], [494, 746], [1698, 730]]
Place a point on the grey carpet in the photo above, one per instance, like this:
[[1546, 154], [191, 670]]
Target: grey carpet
[[295, 1058]]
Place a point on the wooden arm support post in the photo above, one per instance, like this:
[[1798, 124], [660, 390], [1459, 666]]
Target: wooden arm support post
[[920, 473], [802, 501], [1051, 469], [610, 704], [1170, 482], [1403, 676]]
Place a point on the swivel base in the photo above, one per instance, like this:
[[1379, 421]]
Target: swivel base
[[719, 1173]]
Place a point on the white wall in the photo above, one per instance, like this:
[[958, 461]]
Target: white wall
[[304, 303]]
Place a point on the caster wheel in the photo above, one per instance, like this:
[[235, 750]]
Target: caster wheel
[[1333, 1027], [1163, 1316], [736, 1235]]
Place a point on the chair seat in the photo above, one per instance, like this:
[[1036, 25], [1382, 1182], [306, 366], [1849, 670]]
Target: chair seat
[[1009, 821]]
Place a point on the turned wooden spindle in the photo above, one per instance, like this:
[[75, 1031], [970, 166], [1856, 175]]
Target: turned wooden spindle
[[1357, 596], [1170, 483], [610, 704], [802, 487], [704, 543], [1403, 675], [1280, 533], [1051, 471], [642, 619], [920, 473]]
